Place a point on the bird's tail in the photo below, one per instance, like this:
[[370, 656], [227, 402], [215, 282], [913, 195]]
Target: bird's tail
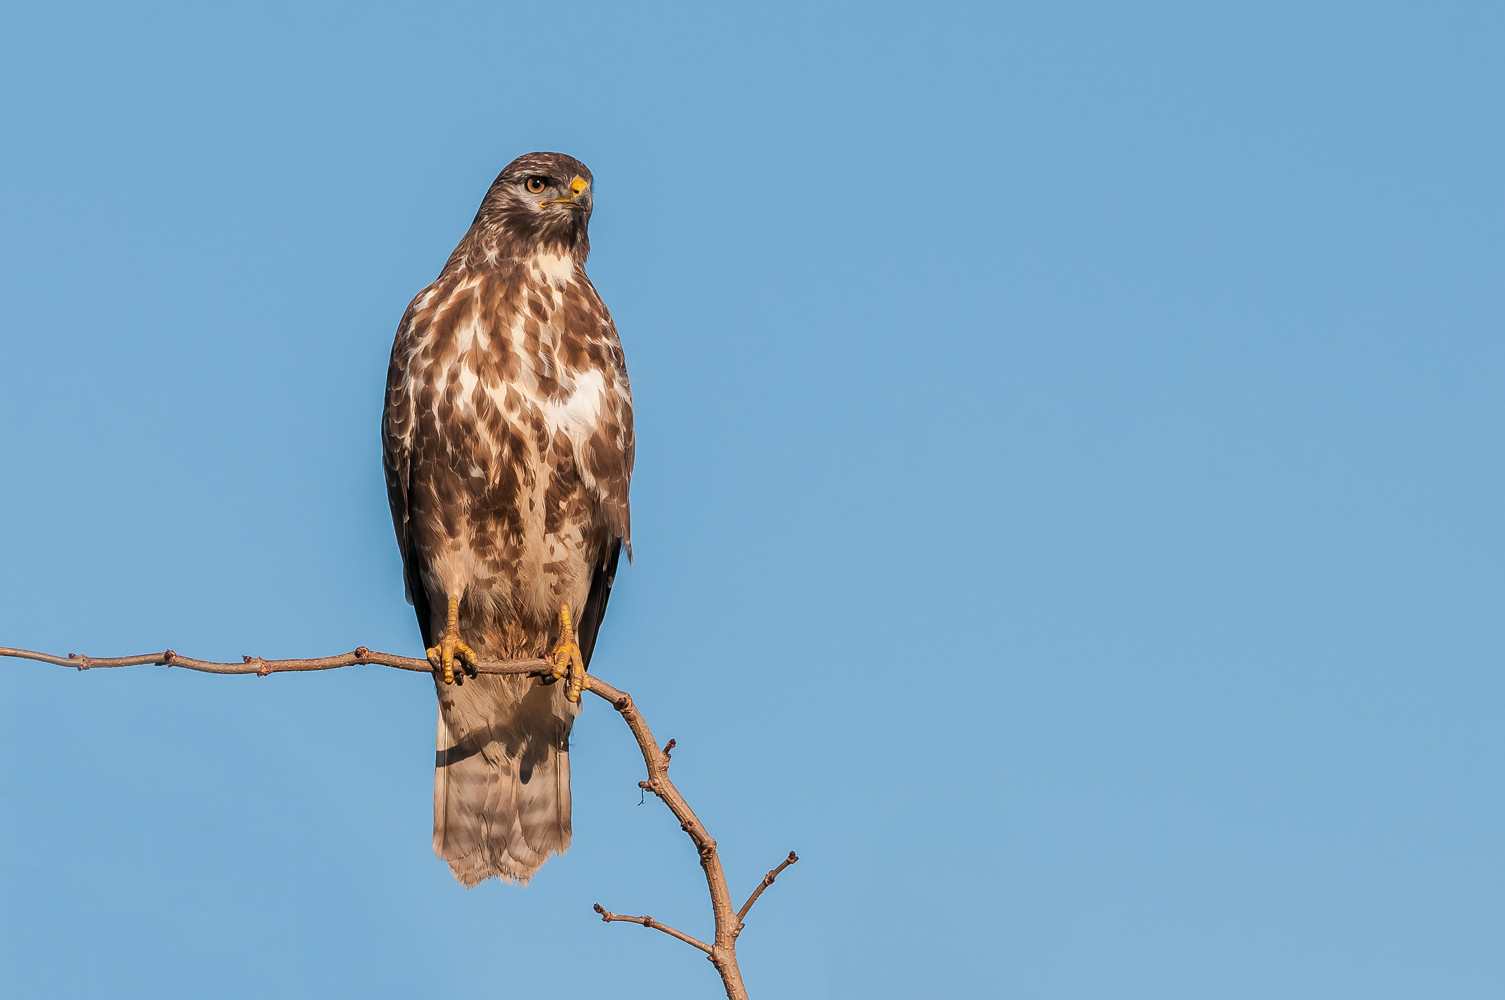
[[502, 777]]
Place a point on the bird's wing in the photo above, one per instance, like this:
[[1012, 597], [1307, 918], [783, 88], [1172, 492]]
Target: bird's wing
[[607, 457], [594, 611], [397, 427], [607, 454]]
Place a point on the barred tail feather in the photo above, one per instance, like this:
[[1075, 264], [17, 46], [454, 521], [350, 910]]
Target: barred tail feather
[[502, 777]]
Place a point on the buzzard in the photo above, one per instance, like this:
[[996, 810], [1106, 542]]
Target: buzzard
[[507, 445]]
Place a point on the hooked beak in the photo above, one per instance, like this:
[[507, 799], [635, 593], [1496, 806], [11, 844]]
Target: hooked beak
[[579, 197]]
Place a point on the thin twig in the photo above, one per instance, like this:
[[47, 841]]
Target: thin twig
[[608, 917], [767, 881]]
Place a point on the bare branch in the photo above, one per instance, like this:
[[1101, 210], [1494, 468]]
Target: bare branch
[[722, 952], [607, 916], [767, 881], [256, 665]]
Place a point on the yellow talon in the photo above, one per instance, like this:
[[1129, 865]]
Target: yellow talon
[[451, 647], [567, 659]]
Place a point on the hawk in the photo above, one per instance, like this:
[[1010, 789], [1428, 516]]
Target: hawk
[[507, 445]]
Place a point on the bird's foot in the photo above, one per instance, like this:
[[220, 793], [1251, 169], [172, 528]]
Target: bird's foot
[[567, 659], [452, 648]]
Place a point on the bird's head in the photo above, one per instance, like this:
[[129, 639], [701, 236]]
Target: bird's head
[[541, 202]]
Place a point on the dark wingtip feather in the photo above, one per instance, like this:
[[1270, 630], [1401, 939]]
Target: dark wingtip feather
[[594, 611]]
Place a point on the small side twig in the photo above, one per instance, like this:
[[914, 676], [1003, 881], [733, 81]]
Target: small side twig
[[767, 881], [607, 916]]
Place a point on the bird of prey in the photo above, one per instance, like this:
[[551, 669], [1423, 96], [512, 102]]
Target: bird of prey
[[507, 444]]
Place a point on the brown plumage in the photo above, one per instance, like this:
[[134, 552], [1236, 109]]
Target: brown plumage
[[507, 443]]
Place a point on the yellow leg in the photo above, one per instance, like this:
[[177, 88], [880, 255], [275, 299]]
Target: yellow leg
[[451, 648], [567, 659]]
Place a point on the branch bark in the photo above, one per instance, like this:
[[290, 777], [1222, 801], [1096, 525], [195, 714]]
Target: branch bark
[[722, 951]]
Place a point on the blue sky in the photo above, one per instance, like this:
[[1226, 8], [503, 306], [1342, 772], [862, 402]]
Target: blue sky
[[1067, 508]]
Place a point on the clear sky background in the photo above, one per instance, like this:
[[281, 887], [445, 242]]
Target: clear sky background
[[1067, 511]]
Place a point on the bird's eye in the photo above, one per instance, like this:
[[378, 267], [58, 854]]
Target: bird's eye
[[536, 185]]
